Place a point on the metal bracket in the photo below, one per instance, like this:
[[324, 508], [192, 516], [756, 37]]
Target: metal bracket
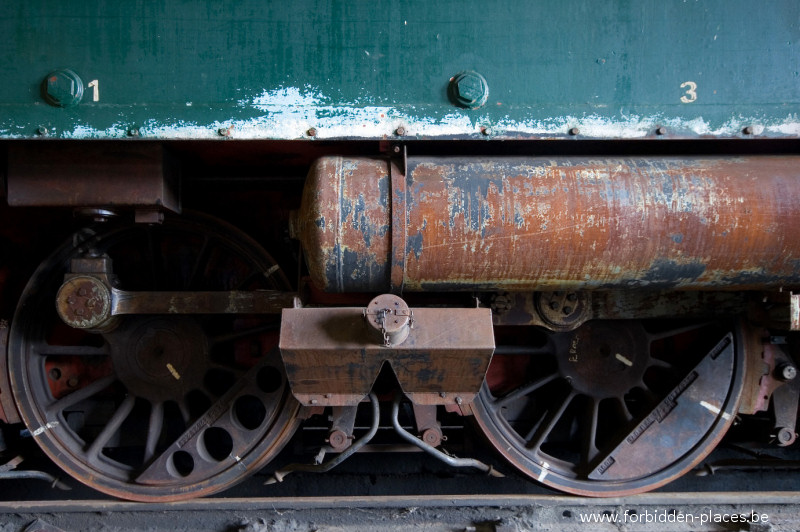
[[428, 426], [343, 421]]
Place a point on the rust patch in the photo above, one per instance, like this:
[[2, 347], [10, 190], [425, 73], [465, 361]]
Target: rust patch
[[331, 357], [563, 223]]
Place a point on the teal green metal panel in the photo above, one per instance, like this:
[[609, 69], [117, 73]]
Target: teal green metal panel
[[362, 69]]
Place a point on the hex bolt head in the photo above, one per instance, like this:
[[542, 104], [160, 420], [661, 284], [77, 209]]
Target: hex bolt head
[[661, 130], [468, 89], [312, 132], [787, 372], [400, 131], [62, 88], [574, 131], [785, 437]]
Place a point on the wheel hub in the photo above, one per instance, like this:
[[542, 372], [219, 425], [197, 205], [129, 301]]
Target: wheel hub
[[160, 357], [603, 359]]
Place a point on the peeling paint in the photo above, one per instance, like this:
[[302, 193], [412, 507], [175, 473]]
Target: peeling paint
[[289, 112], [663, 222]]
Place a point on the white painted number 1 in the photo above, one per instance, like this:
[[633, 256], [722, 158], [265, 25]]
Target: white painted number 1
[[691, 91], [96, 90]]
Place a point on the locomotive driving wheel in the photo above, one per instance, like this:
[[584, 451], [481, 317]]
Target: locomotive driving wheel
[[158, 408], [614, 407]]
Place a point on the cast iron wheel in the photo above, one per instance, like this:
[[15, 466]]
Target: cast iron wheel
[[161, 408], [614, 407]]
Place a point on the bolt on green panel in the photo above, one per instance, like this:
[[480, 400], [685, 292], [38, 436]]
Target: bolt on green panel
[[608, 70]]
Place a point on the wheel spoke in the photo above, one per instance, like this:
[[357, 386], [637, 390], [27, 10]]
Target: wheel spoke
[[654, 337], [623, 410], [154, 427], [111, 428], [80, 395], [536, 440], [657, 362], [589, 427], [525, 390], [185, 413], [198, 263]]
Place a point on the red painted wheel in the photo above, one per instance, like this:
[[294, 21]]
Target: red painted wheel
[[614, 407], [160, 408]]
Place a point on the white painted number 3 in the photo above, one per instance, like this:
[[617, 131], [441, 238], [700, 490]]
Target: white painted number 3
[[96, 92], [691, 91]]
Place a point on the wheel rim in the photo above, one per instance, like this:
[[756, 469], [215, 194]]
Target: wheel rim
[[614, 407], [161, 407]]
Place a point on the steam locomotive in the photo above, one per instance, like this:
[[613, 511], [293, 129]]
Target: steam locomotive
[[221, 225]]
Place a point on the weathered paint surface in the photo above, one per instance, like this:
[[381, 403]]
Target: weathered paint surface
[[563, 223], [333, 358], [273, 70]]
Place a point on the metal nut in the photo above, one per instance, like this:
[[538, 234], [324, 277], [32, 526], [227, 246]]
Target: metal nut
[[62, 88], [468, 89]]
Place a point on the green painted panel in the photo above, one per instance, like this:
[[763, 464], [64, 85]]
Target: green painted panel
[[351, 69]]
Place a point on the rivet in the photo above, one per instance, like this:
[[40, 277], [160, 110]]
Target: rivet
[[42, 131], [486, 130], [574, 131], [400, 131], [442, 394], [459, 400], [748, 130], [225, 131], [661, 130], [312, 132], [133, 132], [396, 149]]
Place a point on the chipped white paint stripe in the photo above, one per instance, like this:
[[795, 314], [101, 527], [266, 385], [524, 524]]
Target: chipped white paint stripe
[[288, 113], [41, 430], [715, 410], [543, 474], [623, 359]]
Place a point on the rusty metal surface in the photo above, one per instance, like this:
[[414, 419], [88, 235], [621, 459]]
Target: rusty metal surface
[[99, 175], [345, 225], [556, 224], [189, 302], [8, 409], [332, 358]]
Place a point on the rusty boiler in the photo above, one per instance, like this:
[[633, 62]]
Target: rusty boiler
[[551, 223]]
